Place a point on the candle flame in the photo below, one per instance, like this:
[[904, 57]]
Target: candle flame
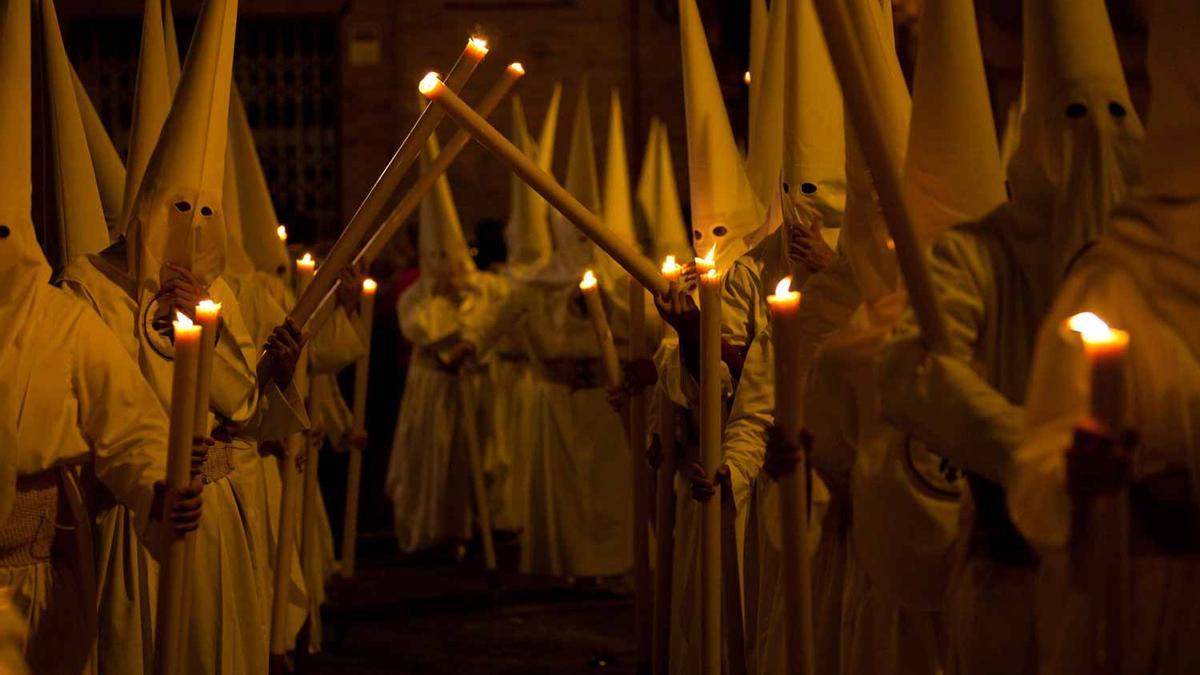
[[429, 83], [746, 78], [783, 287], [712, 275], [307, 259], [478, 44], [369, 285], [891, 244], [208, 306], [182, 321], [1095, 331], [712, 255], [588, 281], [516, 68], [281, 232], [669, 264]]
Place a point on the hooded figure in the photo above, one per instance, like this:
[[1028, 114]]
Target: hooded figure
[[78, 214], [151, 103], [527, 236], [725, 213], [72, 397], [260, 236], [1075, 157], [448, 315], [107, 165], [1141, 277], [175, 241]]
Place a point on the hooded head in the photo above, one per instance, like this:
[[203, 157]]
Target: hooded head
[[765, 154], [78, 211], [658, 198], [725, 212], [864, 233], [1080, 139], [573, 251], [151, 104], [527, 236], [1172, 168], [235, 253], [178, 215], [618, 196], [260, 224], [24, 273], [814, 147], [442, 246], [107, 165], [952, 170]]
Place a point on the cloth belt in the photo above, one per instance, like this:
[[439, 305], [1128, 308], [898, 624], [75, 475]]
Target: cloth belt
[[27, 537], [218, 464]]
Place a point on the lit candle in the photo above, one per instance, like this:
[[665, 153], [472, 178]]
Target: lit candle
[[208, 316], [281, 232], [710, 457], [1105, 348], [306, 270], [671, 271], [174, 570], [746, 78], [707, 263], [793, 486], [362, 368], [608, 349], [642, 508]]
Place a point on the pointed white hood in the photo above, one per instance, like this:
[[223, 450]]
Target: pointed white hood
[[952, 171], [573, 251], [1080, 139], [79, 215], [151, 104], [658, 198], [260, 223], [442, 246], [765, 153], [725, 212], [618, 196], [107, 165], [527, 239]]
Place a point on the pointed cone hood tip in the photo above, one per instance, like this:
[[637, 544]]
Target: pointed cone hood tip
[[442, 246], [658, 197], [178, 210], [572, 250], [79, 212], [151, 104], [952, 170], [528, 234], [765, 154], [107, 164], [725, 211], [814, 146], [259, 220]]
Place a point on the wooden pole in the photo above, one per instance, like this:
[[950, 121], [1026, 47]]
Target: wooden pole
[[664, 533], [175, 568], [366, 318], [793, 487], [361, 223], [624, 253], [285, 545], [608, 349], [412, 200], [883, 161], [643, 584], [710, 457], [483, 509]]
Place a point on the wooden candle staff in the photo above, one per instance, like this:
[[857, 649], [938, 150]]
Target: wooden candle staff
[[285, 544], [365, 218], [793, 487], [176, 567], [366, 317], [664, 516], [883, 161], [642, 581], [1105, 536], [608, 348], [710, 457], [624, 253]]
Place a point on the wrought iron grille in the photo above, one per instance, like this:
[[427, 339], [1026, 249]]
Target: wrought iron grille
[[287, 71]]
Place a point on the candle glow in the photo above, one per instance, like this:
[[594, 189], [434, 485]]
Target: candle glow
[[429, 83], [306, 262], [478, 45], [588, 282], [183, 323], [369, 286], [783, 292], [281, 232], [707, 263], [208, 308], [746, 78], [516, 68]]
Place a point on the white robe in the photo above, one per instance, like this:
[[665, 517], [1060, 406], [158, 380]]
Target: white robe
[[1144, 282], [442, 412]]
